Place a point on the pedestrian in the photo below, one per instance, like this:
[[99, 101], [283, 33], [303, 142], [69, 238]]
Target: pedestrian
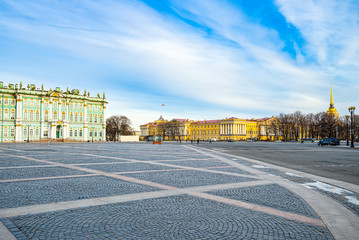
[[191, 140], [197, 140]]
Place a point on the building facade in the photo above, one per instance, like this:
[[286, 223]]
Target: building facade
[[35, 114], [233, 128]]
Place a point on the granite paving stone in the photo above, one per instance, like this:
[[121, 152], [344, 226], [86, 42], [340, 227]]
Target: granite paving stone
[[271, 195], [189, 178], [17, 194], [177, 217]]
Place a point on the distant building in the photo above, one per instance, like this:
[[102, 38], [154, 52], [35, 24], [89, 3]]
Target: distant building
[[222, 129], [35, 114], [331, 109]]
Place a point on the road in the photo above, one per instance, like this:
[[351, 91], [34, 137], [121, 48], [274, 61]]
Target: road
[[334, 162]]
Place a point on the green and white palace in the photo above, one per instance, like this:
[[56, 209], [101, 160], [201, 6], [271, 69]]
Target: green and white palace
[[35, 114]]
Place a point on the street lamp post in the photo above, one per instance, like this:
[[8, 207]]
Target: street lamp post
[[28, 133], [347, 132], [351, 110]]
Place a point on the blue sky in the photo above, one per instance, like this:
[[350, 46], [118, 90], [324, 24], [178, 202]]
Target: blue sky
[[203, 59]]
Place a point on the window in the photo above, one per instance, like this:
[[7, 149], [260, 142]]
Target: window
[[101, 119], [56, 104], [71, 116], [31, 132], [0, 101], [37, 132], [80, 133], [63, 116], [31, 102], [12, 132], [46, 116], [81, 117], [5, 131], [70, 132], [6, 114], [12, 114], [100, 133], [54, 117], [37, 103], [71, 105], [46, 103], [75, 133], [80, 106], [90, 132], [37, 115], [76, 106], [90, 118], [95, 118], [46, 132], [25, 115], [6, 102], [25, 132], [76, 117], [95, 133], [13, 102], [31, 115], [0, 113]]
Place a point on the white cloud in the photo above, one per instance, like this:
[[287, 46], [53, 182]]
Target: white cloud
[[241, 67]]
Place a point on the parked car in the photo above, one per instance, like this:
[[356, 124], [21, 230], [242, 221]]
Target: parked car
[[230, 140], [329, 141]]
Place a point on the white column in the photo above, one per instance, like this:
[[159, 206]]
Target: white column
[[18, 119], [42, 118], [104, 124], [86, 130]]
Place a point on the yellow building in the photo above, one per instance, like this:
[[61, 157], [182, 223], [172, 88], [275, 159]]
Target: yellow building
[[233, 128]]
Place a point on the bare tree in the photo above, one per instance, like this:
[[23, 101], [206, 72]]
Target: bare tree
[[118, 125], [172, 129]]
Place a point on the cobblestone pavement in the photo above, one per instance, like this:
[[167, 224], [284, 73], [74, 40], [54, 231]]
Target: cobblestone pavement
[[145, 191]]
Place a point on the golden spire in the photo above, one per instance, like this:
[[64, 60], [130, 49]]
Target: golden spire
[[331, 109], [331, 105]]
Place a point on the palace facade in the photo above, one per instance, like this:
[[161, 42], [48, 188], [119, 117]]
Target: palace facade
[[35, 114], [233, 128]]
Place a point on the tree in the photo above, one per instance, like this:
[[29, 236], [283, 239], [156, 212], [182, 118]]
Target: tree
[[118, 125], [172, 129]]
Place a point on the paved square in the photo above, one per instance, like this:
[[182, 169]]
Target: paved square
[[145, 191]]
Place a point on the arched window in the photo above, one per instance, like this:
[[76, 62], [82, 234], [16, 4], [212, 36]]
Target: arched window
[[6, 114], [90, 118], [101, 119], [37, 132], [100, 133], [71, 105], [31, 115], [37, 103], [80, 133], [76, 106], [76, 117], [81, 117], [95, 132], [25, 132], [75, 133], [31, 102], [56, 104], [25, 115], [71, 116], [63, 115], [5, 131], [12, 114], [37, 115], [46, 116], [95, 118], [46, 103], [12, 132], [13, 102], [31, 132], [71, 132], [6, 102], [54, 117]]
